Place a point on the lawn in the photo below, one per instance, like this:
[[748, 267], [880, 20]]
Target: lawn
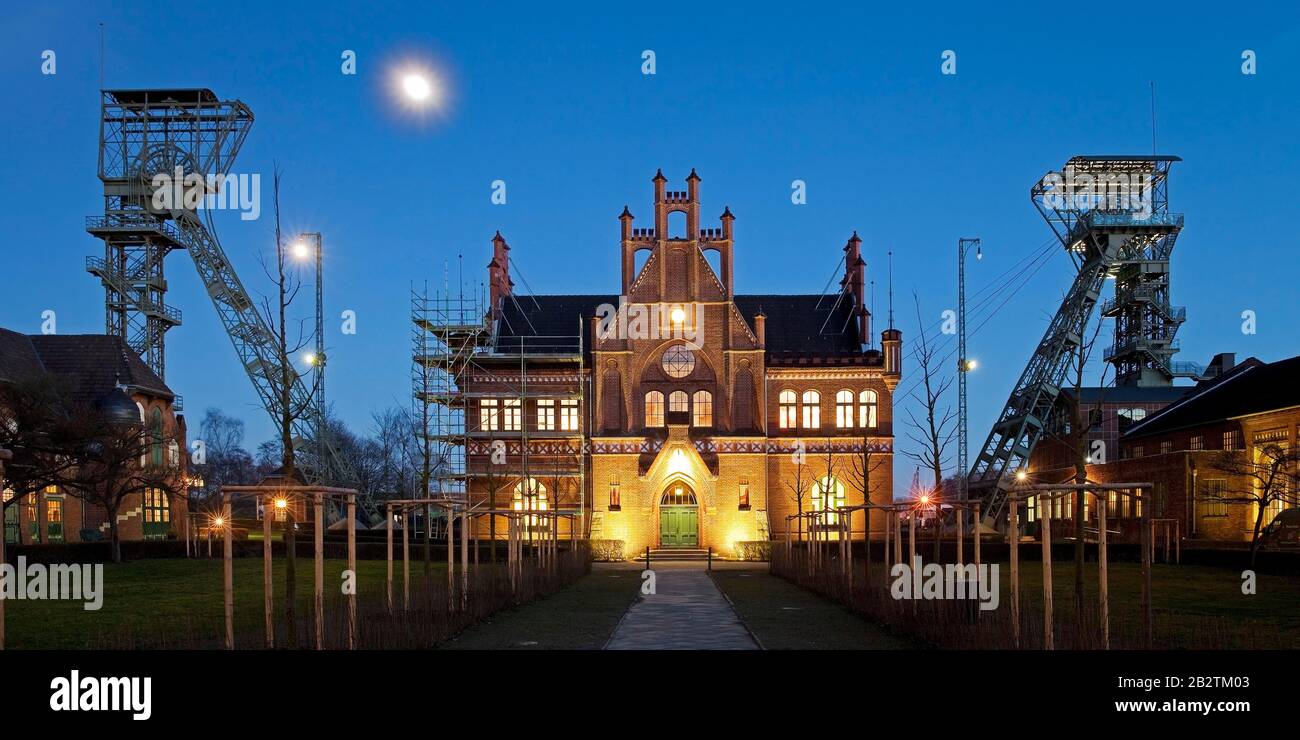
[[1193, 606], [178, 603], [786, 617], [580, 617]]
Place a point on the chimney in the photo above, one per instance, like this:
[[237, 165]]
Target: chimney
[[499, 283], [891, 340], [760, 328], [854, 281], [629, 252]]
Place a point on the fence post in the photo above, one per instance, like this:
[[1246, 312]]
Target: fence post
[[1013, 537], [1046, 521], [1103, 574]]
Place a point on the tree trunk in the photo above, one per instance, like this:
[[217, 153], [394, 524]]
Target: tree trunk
[[114, 542]]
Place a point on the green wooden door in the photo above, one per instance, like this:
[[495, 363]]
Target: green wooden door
[[11, 524], [678, 526]]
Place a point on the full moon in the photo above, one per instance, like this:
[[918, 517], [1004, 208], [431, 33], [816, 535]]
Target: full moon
[[416, 87]]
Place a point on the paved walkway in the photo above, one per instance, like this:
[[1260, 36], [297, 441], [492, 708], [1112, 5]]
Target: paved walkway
[[687, 612]]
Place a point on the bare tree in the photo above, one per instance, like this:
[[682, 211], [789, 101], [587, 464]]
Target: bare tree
[[861, 467], [932, 433], [115, 461], [1262, 479], [35, 426], [798, 484], [285, 409]]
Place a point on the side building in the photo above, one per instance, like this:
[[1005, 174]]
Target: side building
[[95, 371]]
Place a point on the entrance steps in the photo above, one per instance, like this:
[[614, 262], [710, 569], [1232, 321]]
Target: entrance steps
[[677, 554]]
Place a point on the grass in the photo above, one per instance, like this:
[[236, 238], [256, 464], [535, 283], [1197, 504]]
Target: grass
[[786, 617], [580, 617], [166, 602], [1193, 606]]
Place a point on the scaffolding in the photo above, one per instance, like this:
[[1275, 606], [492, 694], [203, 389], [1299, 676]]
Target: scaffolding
[[464, 353]]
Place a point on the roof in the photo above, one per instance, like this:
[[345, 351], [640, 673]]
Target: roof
[[1131, 394], [803, 324], [159, 95], [1252, 387], [87, 365]]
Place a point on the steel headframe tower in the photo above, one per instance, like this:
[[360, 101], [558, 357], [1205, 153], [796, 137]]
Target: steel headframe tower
[[189, 139], [144, 133], [1111, 213]]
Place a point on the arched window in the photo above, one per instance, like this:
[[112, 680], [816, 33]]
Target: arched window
[[654, 409], [703, 416], [787, 402], [156, 431], [679, 402], [530, 495], [827, 496], [812, 409], [844, 410], [867, 409]]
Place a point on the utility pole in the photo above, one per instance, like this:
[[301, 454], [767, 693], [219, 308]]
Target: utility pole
[[964, 363]]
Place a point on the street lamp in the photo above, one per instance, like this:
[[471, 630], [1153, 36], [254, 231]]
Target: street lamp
[[964, 364], [308, 245]]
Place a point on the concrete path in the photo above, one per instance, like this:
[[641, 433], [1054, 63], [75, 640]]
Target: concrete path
[[687, 612]]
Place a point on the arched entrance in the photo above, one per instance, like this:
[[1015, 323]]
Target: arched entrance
[[679, 521]]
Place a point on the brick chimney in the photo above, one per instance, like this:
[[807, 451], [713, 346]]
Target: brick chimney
[[499, 283], [854, 281]]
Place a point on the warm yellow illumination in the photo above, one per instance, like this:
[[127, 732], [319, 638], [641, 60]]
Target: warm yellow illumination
[[971, 365], [678, 315], [219, 521], [925, 499], [1021, 475], [281, 503], [309, 358], [677, 462]]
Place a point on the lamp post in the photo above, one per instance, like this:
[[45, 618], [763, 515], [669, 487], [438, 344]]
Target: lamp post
[[964, 363], [309, 245]]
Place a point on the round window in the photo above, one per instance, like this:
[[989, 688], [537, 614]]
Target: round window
[[678, 361]]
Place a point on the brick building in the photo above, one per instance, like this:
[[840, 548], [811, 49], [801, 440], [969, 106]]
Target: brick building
[[678, 413], [1196, 449], [88, 370]]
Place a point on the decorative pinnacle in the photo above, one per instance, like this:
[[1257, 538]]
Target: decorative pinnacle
[[626, 213], [726, 213], [659, 176], [693, 176]]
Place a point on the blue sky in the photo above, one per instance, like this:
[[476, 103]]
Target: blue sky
[[552, 101]]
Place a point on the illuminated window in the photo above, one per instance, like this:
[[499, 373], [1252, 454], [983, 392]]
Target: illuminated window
[[812, 410], [489, 416], [1232, 440], [678, 402], [530, 497], [1137, 451], [788, 409], [744, 493], [569, 415], [1166, 447], [54, 518], [1198, 442], [615, 496], [546, 415], [1031, 510], [1112, 504], [513, 415], [703, 416], [867, 404], [827, 495], [844, 410], [654, 409]]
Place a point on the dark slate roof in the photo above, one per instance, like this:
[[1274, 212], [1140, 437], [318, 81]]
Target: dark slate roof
[[18, 358], [795, 323], [1131, 394], [1252, 387], [88, 366]]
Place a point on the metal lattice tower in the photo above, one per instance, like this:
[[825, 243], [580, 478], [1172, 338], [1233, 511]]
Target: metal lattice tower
[[1112, 216], [147, 133]]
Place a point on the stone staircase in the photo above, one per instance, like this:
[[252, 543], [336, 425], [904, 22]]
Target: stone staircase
[[677, 555]]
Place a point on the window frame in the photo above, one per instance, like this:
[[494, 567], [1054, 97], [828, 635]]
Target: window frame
[[810, 408], [702, 409], [655, 407]]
